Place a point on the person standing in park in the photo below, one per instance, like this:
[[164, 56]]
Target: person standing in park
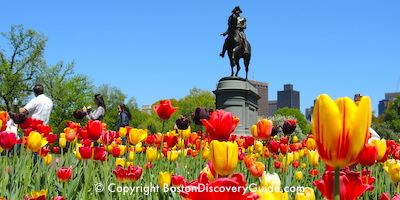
[[124, 115], [39, 107], [97, 114]]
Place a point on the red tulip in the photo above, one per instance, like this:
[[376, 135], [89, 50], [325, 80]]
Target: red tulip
[[132, 173], [64, 174], [56, 149], [277, 164], [220, 125], [86, 152], [313, 172], [164, 110], [44, 129], [43, 152], [51, 138], [94, 129], [171, 140], [7, 140], [86, 142], [351, 186], [385, 196], [99, 153], [368, 155], [273, 146], [116, 151], [176, 180]]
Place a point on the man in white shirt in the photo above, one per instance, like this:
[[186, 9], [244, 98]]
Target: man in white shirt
[[39, 107]]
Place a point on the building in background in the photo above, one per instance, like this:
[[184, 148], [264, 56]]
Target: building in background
[[147, 109], [384, 103], [263, 101], [288, 97], [272, 107]]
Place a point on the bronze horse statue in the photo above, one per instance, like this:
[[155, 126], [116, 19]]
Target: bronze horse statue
[[236, 43]]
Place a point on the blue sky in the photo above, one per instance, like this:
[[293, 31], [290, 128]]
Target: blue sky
[[156, 50]]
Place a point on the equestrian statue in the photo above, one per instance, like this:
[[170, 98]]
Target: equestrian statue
[[236, 43]]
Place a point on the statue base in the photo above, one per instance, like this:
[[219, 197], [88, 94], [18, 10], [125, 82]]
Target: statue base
[[238, 96]]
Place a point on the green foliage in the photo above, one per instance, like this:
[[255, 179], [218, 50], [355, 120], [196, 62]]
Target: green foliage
[[384, 131], [67, 90], [19, 67], [299, 117]]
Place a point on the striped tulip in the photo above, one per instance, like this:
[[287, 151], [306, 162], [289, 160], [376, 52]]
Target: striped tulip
[[340, 129]]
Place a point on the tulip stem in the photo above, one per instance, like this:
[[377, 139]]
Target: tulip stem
[[337, 184]]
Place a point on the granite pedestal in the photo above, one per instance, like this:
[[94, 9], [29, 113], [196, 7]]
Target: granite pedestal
[[238, 96]]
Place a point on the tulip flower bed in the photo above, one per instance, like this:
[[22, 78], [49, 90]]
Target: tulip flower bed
[[91, 162]]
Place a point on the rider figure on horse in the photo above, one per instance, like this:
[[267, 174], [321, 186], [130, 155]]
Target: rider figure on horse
[[237, 24]]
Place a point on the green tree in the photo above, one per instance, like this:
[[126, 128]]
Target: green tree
[[19, 67], [300, 119], [68, 91]]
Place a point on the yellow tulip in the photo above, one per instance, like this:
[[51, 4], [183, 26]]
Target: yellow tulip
[[120, 161], [185, 134], [208, 172], [1, 149], [289, 159], [206, 153], [77, 154], [307, 194], [299, 175], [394, 170], [151, 154], [311, 144], [296, 156], [123, 150], [340, 129], [47, 160], [181, 143], [301, 153], [164, 179], [131, 155], [270, 180], [122, 131], [129, 164], [63, 142], [258, 146], [224, 156], [173, 155], [35, 194], [313, 158], [295, 139], [303, 165], [138, 148], [381, 144], [137, 135], [62, 135], [36, 141]]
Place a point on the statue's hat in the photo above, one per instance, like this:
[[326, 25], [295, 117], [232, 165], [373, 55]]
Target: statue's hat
[[237, 8]]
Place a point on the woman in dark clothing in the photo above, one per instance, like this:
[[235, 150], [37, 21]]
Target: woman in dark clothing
[[124, 116]]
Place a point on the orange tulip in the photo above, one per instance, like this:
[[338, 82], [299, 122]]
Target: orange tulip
[[340, 129], [257, 169], [264, 129]]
